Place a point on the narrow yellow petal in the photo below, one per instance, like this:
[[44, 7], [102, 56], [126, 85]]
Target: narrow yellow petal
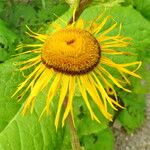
[[129, 72], [29, 51], [63, 94], [109, 85], [113, 45], [79, 24], [36, 37], [94, 94], [84, 95], [30, 65], [31, 60], [56, 26], [70, 98], [94, 23], [59, 18], [124, 76], [107, 38], [109, 29], [33, 79], [21, 85], [120, 67], [115, 52], [28, 45], [102, 70], [41, 36], [103, 92], [37, 88], [100, 88], [52, 91], [101, 25]]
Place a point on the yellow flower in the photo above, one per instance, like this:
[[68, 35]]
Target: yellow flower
[[77, 57]]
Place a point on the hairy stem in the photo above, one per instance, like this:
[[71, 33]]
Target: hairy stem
[[82, 5], [74, 137], [75, 143]]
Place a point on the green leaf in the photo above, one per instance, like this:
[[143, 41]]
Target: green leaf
[[103, 140], [143, 6], [85, 125], [21, 132], [134, 114]]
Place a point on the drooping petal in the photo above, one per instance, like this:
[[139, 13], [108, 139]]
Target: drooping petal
[[51, 92], [71, 91], [94, 94], [63, 94], [41, 83], [84, 95], [114, 80]]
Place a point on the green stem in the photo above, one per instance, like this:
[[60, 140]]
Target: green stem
[[80, 6], [43, 4], [75, 143], [74, 137]]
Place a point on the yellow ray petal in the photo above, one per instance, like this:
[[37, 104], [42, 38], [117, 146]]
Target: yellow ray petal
[[36, 37], [100, 88], [59, 18], [29, 51], [139, 65], [28, 45], [103, 92], [70, 98], [79, 24], [42, 36], [109, 29], [94, 23], [33, 79], [84, 95], [32, 31], [113, 45], [51, 93], [129, 72], [101, 25], [30, 65], [108, 84], [120, 67], [114, 80], [56, 26], [115, 52], [124, 76], [94, 94], [63, 94], [23, 84], [107, 38], [31, 60], [37, 88]]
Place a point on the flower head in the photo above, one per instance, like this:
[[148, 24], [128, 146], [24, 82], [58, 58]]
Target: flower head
[[77, 56]]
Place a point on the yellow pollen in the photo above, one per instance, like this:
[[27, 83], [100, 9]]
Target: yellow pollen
[[71, 51]]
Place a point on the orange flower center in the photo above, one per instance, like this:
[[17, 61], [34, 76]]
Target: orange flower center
[[71, 51]]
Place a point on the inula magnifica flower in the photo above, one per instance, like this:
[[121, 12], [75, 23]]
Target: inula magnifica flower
[[77, 56]]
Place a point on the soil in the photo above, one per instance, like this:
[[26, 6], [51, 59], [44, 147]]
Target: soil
[[140, 140]]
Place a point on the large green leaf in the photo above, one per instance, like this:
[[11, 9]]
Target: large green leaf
[[99, 140], [133, 116], [142, 6], [19, 132]]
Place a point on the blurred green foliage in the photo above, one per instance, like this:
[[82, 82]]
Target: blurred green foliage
[[17, 132]]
